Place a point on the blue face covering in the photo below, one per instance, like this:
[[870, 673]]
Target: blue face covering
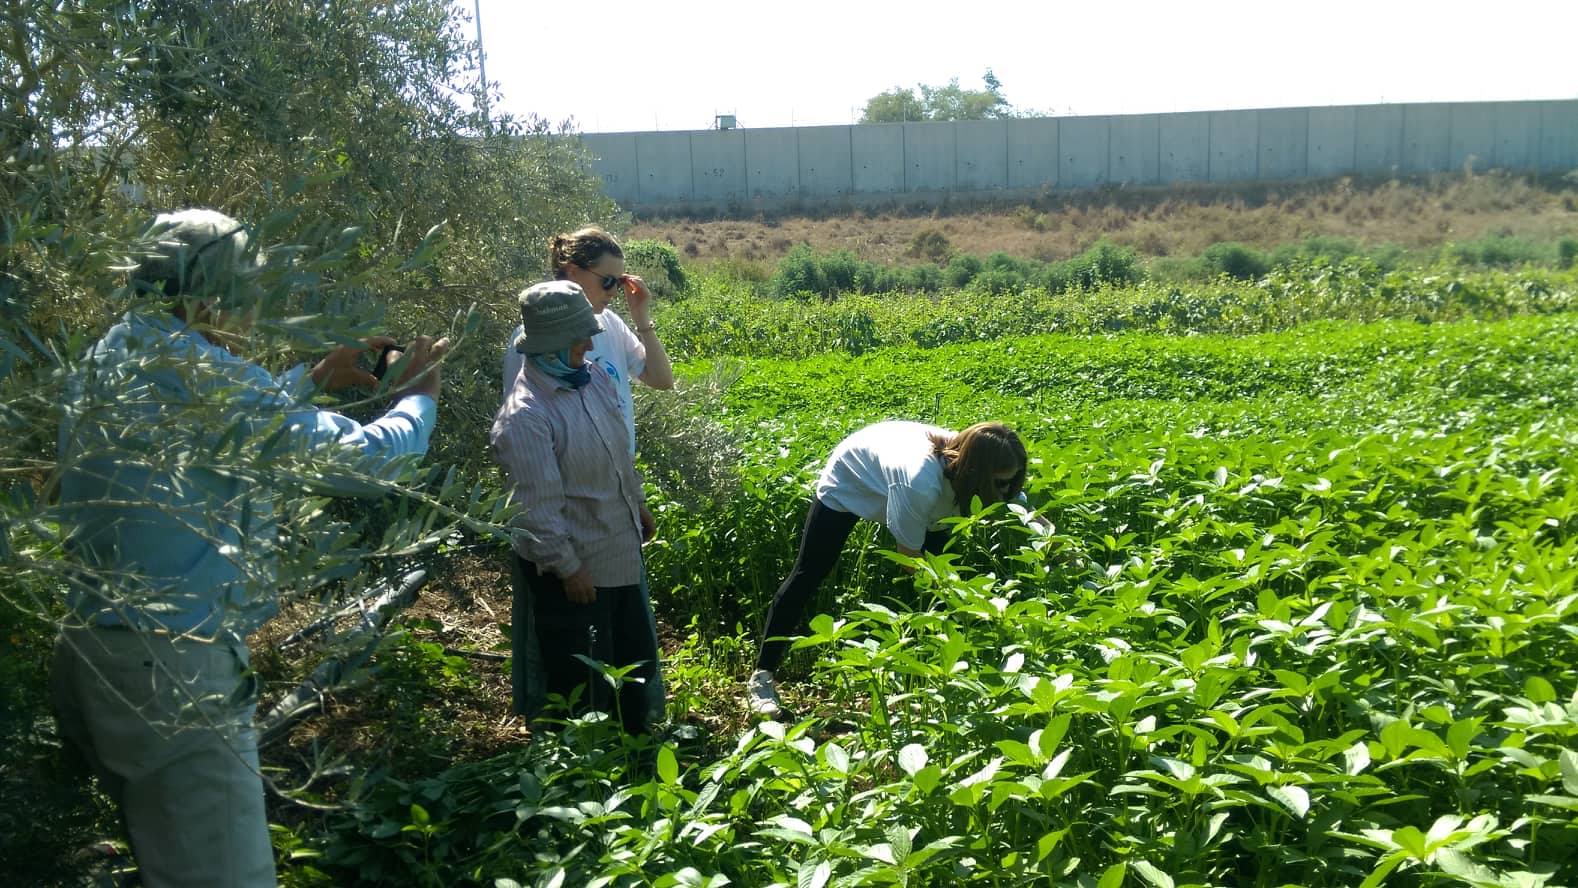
[[557, 365]]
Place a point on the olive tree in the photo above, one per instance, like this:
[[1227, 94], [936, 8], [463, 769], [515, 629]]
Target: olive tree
[[347, 134]]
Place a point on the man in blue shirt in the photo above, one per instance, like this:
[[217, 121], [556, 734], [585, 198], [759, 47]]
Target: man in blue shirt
[[175, 456]]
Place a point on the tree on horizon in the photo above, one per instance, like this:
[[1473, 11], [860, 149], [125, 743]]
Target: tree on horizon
[[950, 102]]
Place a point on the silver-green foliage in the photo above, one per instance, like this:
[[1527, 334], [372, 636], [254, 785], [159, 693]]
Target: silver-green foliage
[[344, 136]]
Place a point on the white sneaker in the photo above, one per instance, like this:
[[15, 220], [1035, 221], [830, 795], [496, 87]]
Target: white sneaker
[[761, 694]]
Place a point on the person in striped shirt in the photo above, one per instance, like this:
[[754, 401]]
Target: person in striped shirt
[[561, 438], [593, 259]]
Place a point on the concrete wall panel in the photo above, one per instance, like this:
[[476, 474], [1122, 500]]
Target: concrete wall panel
[[1517, 136], [980, 155], [1427, 138], [1332, 138], [1378, 140], [1184, 147], [873, 165], [1235, 154], [1473, 137], [614, 161], [825, 169], [772, 162], [928, 156], [1132, 153], [717, 164], [1032, 152], [1558, 137], [1083, 146], [877, 158], [1284, 143], [663, 160]]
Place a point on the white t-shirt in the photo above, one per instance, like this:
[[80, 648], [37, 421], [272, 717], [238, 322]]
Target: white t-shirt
[[888, 473], [616, 349]]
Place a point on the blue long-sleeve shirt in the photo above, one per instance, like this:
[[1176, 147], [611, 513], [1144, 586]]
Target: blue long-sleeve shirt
[[174, 453]]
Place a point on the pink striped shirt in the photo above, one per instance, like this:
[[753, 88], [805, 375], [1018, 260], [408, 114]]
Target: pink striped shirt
[[565, 452]]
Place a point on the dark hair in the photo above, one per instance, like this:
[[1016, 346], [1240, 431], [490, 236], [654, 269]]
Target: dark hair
[[973, 458], [582, 248]]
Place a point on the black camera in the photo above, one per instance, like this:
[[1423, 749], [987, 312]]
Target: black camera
[[384, 360]]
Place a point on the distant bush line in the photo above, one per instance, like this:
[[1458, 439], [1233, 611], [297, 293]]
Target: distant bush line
[[723, 318], [805, 273]]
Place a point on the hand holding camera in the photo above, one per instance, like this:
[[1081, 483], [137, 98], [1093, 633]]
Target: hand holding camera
[[387, 355], [422, 361], [417, 364]]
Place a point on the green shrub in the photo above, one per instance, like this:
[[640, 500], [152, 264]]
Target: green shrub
[[1106, 264], [657, 263], [929, 243], [683, 450], [961, 270], [1388, 257], [1566, 252], [922, 279], [1333, 249], [1029, 218], [798, 273], [1178, 269], [1235, 260], [745, 271], [840, 272], [998, 281], [1496, 251], [1001, 261]]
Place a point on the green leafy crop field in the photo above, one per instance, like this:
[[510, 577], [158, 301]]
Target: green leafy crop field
[[1306, 614]]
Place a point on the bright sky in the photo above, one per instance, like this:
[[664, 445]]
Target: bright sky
[[620, 65]]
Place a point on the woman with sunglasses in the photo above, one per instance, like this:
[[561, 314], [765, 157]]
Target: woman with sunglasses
[[906, 476], [592, 259]]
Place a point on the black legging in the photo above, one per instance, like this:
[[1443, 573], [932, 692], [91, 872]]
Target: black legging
[[826, 531]]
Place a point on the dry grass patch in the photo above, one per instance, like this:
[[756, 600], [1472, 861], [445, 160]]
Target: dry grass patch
[[1179, 221]]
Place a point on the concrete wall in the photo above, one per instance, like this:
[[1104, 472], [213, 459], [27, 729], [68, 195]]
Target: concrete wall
[[1084, 148], [1032, 153], [1427, 139], [663, 167], [1378, 140], [717, 167], [877, 156], [980, 155], [928, 156], [825, 158], [1184, 147], [1284, 143], [1133, 149], [1558, 137], [1333, 140], [1235, 146], [747, 170], [772, 159]]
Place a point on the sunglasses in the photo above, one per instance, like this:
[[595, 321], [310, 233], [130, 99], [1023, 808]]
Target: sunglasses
[[1003, 485], [609, 281]]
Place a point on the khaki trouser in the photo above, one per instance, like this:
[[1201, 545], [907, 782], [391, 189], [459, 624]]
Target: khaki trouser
[[166, 724]]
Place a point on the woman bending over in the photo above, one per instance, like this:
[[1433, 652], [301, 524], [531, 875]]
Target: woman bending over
[[906, 476]]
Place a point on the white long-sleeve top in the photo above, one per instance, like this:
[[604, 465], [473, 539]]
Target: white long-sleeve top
[[888, 473]]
